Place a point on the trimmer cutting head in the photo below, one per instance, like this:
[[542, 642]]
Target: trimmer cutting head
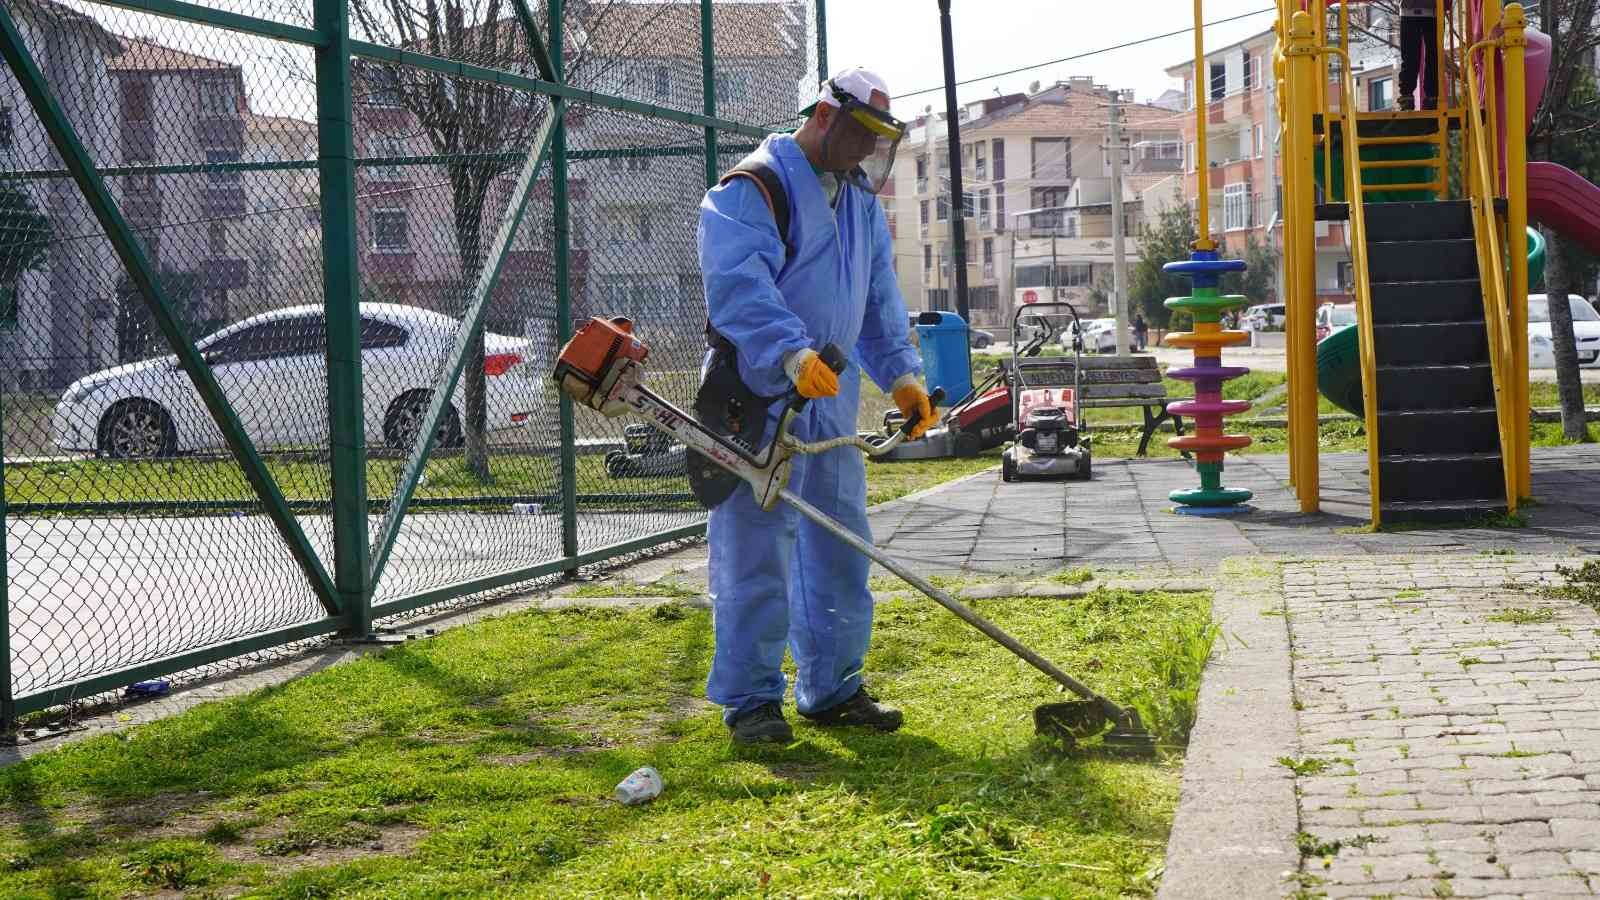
[[1078, 720]]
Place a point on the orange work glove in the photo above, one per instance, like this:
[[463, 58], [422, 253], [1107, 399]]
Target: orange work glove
[[914, 405], [811, 376]]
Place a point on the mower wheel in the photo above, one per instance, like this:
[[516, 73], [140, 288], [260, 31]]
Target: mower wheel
[[1008, 469], [967, 444], [1088, 467]]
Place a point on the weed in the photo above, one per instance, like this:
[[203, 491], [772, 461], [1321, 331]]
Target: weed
[[314, 835], [224, 831], [1519, 615], [1170, 706], [1497, 551], [1079, 575], [175, 865], [1312, 765], [1408, 594], [1312, 846], [1582, 584], [1468, 662]]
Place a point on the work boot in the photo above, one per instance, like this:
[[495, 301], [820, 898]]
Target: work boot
[[1405, 103], [862, 709], [764, 724]]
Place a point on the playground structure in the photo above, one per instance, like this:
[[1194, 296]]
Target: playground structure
[[1440, 343]]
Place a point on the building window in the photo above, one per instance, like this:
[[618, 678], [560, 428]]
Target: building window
[[922, 215], [922, 174], [385, 86], [999, 159], [1260, 142], [1249, 72], [1346, 275], [988, 257], [732, 87], [1380, 94], [1052, 159], [939, 298], [1236, 206], [644, 227], [983, 210], [980, 161], [987, 297], [10, 302], [384, 147], [1219, 81], [217, 238], [663, 82], [217, 157], [1191, 156], [927, 257], [942, 208], [218, 98], [136, 101], [999, 205], [391, 232], [6, 129]]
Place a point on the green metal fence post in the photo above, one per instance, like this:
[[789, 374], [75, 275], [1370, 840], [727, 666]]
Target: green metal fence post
[[708, 72], [8, 706], [347, 437], [822, 43], [130, 252], [558, 178]]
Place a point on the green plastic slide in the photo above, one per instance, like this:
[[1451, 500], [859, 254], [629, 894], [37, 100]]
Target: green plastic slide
[[1339, 358]]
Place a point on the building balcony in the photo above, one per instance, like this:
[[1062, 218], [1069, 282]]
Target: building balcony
[[222, 200], [224, 273], [138, 139], [222, 132]]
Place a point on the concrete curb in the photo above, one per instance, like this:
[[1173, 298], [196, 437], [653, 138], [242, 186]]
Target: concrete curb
[[1234, 833]]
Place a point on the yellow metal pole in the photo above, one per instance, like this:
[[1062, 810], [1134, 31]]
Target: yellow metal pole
[[1303, 59], [1202, 101], [1516, 136]]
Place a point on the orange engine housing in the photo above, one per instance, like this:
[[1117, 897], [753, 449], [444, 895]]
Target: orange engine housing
[[597, 355]]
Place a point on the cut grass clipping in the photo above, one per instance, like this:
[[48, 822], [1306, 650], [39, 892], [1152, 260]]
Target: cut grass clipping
[[480, 763]]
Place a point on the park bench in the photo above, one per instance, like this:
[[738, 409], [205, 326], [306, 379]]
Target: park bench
[[1109, 382]]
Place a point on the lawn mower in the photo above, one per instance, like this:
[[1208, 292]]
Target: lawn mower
[[1047, 415], [646, 453], [979, 421], [602, 367]]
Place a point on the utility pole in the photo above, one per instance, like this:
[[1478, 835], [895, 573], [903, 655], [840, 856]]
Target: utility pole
[[1055, 270], [953, 129], [1119, 236]]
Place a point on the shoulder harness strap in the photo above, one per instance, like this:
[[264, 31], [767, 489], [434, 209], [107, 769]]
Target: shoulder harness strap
[[771, 186]]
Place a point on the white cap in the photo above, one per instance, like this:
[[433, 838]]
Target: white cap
[[855, 81]]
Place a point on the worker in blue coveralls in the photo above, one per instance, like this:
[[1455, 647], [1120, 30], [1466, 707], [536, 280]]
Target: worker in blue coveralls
[[777, 299]]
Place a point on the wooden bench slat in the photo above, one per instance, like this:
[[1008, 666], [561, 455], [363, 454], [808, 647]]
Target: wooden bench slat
[[1102, 391]]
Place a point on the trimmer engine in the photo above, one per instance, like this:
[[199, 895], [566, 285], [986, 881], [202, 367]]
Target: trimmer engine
[[599, 362]]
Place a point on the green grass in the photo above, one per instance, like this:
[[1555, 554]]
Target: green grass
[[480, 763], [1521, 615], [890, 480]]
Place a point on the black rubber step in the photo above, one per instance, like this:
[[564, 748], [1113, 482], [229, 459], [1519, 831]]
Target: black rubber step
[[1443, 260], [1438, 343], [1443, 512], [1434, 387], [1456, 430], [1388, 222], [1405, 302], [1407, 478]]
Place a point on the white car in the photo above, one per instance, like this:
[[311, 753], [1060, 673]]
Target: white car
[[1099, 336], [273, 369], [1585, 328], [1263, 317]]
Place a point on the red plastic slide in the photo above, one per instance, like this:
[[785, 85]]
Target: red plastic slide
[[1566, 201]]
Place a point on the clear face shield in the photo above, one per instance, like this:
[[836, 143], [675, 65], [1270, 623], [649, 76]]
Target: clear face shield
[[861, 142]]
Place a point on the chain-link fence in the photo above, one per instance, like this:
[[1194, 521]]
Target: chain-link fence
[[281, 285]]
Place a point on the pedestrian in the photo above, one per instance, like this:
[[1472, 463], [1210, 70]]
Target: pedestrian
[[774, 297], [1141, 330], [1419, 50]]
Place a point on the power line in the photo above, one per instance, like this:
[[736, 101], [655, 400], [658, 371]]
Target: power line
[[1089, 53]]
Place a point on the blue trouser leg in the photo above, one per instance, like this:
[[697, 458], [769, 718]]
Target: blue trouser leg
[[749, 566], [830, 608]]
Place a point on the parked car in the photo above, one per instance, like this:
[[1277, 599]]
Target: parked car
[[1099, 336], [1585, 328], [1333, 316], [979, 339], [1263, 317], [273, 368]]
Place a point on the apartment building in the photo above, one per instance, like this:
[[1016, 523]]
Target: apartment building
[[1244, 181], [281, 237], [179, 108], [1035, 166], [57, 321]]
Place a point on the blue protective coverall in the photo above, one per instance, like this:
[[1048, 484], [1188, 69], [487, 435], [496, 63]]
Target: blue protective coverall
[[775, 577]]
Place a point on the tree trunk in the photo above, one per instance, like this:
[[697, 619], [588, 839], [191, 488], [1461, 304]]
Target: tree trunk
[[469, 244], [1558, 283]]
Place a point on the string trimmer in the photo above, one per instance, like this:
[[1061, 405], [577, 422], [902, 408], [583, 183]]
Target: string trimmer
[[602, 367]]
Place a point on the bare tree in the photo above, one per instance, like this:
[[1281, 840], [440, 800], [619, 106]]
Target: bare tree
[[474, 123]]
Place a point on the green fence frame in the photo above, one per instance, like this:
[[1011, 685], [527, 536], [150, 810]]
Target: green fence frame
[[346, 592]]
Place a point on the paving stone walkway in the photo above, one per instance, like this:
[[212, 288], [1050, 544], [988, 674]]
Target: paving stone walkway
[[1449, 728]]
